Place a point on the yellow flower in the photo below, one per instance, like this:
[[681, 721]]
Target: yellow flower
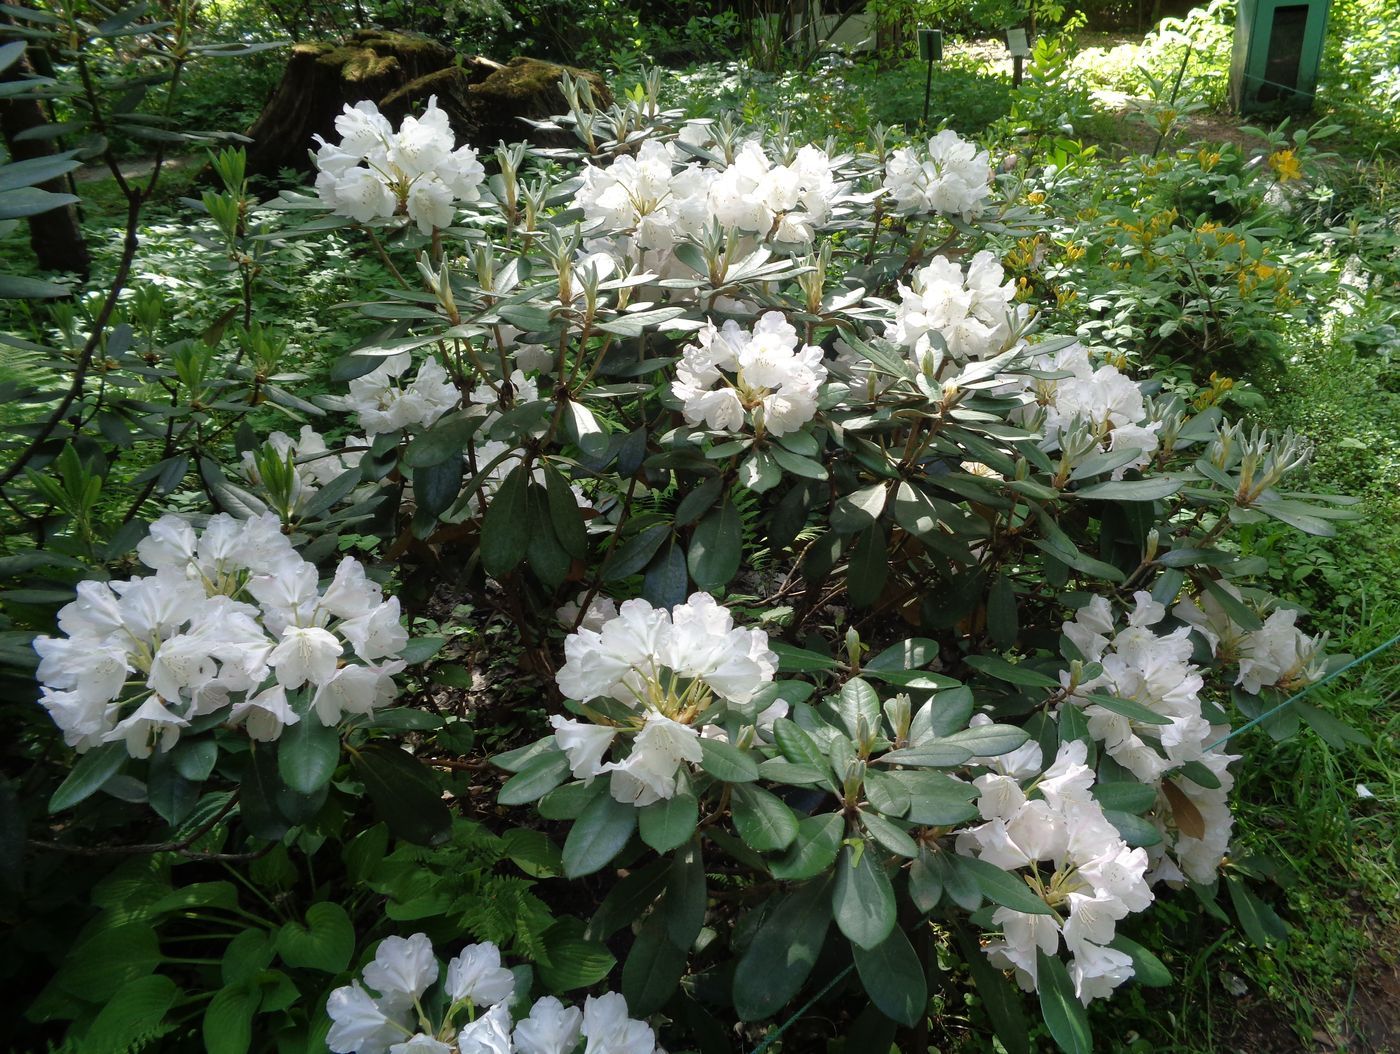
[[1036, 197], [1286, 164]]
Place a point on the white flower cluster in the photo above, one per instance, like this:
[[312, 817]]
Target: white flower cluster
[[783, 202], [143, 658], [1104, 403], [390, 1020], [374, 172], [731, 378], [963, 316], [648, 196], [669, 668], [382, 404], [657, 199], [954, 177], [313, 465], [1277, 655], [1155, 671], [1049, 822]]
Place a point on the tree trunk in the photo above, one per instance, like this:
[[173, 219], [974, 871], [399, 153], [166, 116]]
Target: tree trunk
[[56, 236], [321, 79]]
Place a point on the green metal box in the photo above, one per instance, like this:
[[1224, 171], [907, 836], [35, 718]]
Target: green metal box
[[1278, 48]]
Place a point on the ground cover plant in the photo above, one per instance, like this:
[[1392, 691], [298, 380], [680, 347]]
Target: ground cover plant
[[615, 597]]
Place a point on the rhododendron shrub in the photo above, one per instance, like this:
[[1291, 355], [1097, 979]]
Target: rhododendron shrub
[[857, 582]]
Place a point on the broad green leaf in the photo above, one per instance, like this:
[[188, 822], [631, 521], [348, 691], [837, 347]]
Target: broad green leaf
[[1148, 970], [565, 514], [889, 834], [859, 509], [800, 660], [404, 791], [653, 968], [763, 821], [727, 763], [1012, 673], [533, 852], [798, 747], [626, 901], [894, 978], [686, 896], [869, 567], [598, 835], [540, 775], [1063, 1013], [133, 1013], [101, 964], [228, 1019], [575, 959], [989, 741], [904, 655], [325, 943], [1002, 887], [444, 440], [859, 708], [308, 752], [92, 770], [813, 850], [716, 546], [1131, 489], [505, 531], [1259, 921], [782, 953], [862, 899], [667, 824]]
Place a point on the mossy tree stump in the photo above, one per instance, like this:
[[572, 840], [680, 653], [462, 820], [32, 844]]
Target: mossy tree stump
[[484, 100], [321, 78]]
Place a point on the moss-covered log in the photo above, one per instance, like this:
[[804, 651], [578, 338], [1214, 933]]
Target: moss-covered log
[[321, 78], [485, 101]]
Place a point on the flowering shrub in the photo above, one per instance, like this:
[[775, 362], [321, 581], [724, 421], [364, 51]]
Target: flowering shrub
[[477, 985], [898, 609]]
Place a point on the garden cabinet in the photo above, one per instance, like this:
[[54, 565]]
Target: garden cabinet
[[1278, 47]]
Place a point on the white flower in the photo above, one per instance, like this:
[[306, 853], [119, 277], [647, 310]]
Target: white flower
[[265, 714], [376, 634], [488, 1034], [1103, 404], [648, 774], [355, 689], [551, 1028], [954, 178], [373, 172], [359, 1024], [584, 744], [476, 974], [384, 405], [149, 726], [624, 659], [305, 653], [422, 1043], [762, 376], [965, 317], [610, 1031], [402, 970]]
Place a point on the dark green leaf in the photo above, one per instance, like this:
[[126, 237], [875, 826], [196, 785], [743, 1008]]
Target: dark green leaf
[[761, 818], [404, 792], [1063, 1013], [894, 978], [505, 532], [540, 775], [813, 850], [653, 968], [727, 763], [93, 769], [1002, 887], [598, 835], [862, 900], [307, 753], [667, 824], [716, 546], [782, 953], [325, 943]]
